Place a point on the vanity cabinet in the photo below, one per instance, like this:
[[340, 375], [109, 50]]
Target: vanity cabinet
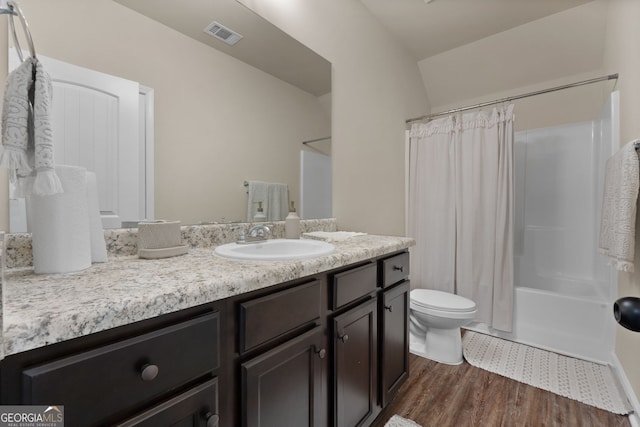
[[197, 407], [394, 340], [283, 358], [284, 386], [330, 349], [158, 373], [394, 324], [355, 365]]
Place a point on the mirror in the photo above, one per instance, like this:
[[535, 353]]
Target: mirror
[[222, 114]]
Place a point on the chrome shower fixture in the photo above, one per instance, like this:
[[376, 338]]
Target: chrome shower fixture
[[6, 9]]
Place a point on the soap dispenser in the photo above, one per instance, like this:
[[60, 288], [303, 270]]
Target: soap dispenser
[[292, 224], [259, 216]]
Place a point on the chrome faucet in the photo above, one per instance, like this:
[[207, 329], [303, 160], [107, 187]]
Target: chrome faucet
[[257, 233]]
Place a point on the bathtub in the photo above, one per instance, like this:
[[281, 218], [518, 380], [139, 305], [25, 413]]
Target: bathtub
[[564, 290], [562, 315]]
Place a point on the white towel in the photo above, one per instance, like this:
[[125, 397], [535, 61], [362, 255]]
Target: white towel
[[60, 225], [332, 236], [66, 229], [274, 198], [27, 135], [98, 244], [618, 224]]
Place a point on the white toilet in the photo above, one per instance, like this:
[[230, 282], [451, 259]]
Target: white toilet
[[435, 321]]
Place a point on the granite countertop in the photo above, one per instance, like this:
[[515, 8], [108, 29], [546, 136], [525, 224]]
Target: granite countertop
[[45, 309]]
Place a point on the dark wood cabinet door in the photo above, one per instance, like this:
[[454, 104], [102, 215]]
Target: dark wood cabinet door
[[197, 407], [394, 340], [355, 365], [285, 387]]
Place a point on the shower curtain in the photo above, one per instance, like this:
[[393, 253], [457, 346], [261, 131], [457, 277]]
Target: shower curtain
[[461, 210]]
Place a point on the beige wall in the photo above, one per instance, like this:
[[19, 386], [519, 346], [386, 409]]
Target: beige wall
[[552, 51], [376, 87], [622, 55], [218, 121]]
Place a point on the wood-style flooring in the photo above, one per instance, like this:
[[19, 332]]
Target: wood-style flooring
[[438, 395]]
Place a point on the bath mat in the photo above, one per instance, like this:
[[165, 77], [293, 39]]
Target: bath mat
[[398, 421], [586, 382]]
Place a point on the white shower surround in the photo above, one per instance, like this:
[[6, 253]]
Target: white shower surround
[[564, 289]]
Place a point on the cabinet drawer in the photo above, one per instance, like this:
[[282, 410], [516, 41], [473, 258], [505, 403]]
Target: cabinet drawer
[[395, 269], [196, 407], [94, 384], [263, 319], [352, 284]]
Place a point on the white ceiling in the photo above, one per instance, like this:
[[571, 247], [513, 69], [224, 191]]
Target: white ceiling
[[428, 28], [425, 27], [263, 45]]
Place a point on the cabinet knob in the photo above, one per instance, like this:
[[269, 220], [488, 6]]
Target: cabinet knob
[[321, 353], [343, 338], [398, 268], [149, 372], [212, 419], [388, 308]]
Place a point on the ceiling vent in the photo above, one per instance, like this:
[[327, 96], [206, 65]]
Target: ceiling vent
[[223, 33]]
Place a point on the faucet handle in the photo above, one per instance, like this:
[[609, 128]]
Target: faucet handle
[[242, 237]]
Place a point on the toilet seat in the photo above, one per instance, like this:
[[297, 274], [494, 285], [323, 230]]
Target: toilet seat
[[430, 299]]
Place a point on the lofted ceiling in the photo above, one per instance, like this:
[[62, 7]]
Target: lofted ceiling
[[425, 27], [429, 27], [263, 45]]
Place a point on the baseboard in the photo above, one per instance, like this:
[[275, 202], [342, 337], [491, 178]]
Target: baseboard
[[618, 371]]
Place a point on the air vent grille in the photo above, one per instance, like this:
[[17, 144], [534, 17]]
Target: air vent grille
[[223, 33]]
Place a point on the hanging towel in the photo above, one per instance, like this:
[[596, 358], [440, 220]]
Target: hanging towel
[[618, 224], [274, 198], [27, 135]]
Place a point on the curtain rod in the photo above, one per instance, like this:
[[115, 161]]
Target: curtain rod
[[316, 140], [512, 98]]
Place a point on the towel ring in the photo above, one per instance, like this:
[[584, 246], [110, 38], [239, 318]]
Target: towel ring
[[15, 11]]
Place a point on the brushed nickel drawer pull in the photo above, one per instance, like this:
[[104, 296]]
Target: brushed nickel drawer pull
[[343, 338], [321, 353], [212, 419], [398, 268], [149, 372], [389, 308]]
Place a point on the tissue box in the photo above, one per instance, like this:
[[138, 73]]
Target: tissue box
[[160, 239]]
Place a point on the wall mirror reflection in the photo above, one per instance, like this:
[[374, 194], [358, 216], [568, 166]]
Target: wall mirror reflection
[[208, 117]]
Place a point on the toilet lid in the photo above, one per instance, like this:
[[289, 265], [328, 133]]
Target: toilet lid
[[429, 298]]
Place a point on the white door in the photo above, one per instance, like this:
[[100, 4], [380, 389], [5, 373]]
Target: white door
[[95, 125]]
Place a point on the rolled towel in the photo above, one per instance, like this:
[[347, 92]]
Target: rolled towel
[[60, 225], [98, 244], [332, 236]]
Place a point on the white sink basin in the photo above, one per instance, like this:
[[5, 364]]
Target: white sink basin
[[276, 250]]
